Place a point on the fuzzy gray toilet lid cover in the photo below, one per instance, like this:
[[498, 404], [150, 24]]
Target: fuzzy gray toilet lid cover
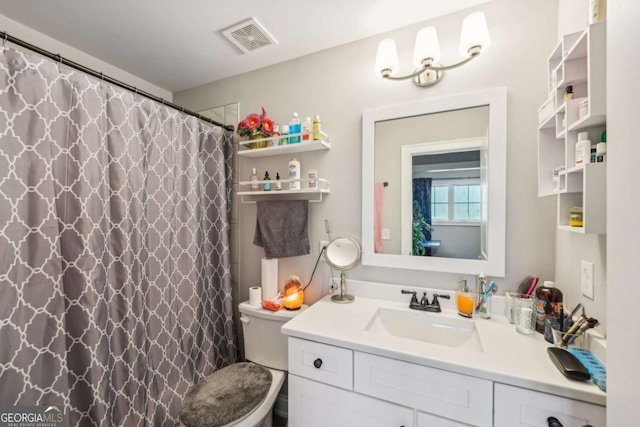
[[226, 395]]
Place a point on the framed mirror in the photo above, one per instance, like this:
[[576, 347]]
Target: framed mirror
[[434, 184]]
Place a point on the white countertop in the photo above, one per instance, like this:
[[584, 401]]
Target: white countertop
[[508, 357]]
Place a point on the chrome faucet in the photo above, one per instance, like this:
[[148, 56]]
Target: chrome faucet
[[424, 305]]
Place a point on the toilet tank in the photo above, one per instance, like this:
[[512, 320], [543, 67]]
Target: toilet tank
[[264, 344]]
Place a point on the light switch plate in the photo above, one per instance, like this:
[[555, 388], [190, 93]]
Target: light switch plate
[[386, 234], [586, 279]]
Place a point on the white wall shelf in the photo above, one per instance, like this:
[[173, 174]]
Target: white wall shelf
[[311, 194], [277, 150], [578, 60]]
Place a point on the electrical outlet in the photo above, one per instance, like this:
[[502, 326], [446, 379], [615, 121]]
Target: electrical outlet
[[586, 279], [323, 243]]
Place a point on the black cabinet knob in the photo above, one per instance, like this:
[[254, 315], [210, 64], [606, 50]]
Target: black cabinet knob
[[317, 363]]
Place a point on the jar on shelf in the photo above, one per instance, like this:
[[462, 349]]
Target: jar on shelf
[[583, 108], [575, 216]]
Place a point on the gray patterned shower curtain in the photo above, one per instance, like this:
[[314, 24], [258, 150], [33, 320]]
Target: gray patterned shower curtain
[[115, 287]]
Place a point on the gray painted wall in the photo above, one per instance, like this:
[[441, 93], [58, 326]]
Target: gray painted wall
[[338, 84]]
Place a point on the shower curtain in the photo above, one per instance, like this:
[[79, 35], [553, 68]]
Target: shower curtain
[[115, 286]]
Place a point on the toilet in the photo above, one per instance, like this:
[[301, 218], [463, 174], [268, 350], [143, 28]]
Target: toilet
[[264, 346]]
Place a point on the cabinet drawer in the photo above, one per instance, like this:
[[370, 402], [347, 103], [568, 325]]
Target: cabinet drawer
[[312, 404], [445, 394], [516, 406], [429, 420], [321, 362]]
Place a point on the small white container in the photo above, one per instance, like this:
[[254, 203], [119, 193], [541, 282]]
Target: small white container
[[583, 149], [583, 108], [294, 173], [313, 179]]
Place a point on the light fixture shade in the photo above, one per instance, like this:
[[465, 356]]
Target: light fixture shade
[[387, 57], [474, 33], [427, 46]]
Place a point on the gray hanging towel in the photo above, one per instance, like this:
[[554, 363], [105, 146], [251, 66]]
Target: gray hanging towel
[[282, 228]]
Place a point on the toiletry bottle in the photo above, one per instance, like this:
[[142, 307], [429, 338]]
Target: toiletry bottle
[[278, 183], [255, 186], [583, 149], [483, 306], [294, 173], [294, 127], [306, 128], [601, 148], [267, 185], [597, 11], [317, 127], [276, 134], [594, 150], [568, 92], [284, 133], [547, 302]]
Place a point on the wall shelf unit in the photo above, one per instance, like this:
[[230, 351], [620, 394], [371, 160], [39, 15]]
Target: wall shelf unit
[[277, 150], [311, 194], [579, 60], [273, 149]]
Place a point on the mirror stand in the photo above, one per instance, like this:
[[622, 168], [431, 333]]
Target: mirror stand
[[343, 254], [343, 298]]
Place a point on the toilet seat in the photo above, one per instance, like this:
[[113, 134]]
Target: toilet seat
[[231, 392], [255, 417]]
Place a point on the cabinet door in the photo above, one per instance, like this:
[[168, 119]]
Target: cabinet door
[[312, 404], [516, 406], [445, 394]]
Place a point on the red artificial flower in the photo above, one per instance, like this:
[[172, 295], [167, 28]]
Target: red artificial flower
[[267, 126], [252, 122]]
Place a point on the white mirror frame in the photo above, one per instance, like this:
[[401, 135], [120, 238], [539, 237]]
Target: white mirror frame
[[496, 99]]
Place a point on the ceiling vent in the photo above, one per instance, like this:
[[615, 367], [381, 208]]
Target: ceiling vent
[[249, 36]]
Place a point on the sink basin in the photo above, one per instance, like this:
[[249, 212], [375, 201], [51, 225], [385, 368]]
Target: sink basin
[[434, 328]]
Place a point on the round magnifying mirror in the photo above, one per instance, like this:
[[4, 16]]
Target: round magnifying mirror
[[343, 253]]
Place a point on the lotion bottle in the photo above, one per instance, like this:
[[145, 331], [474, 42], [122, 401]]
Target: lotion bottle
[[294, 173]]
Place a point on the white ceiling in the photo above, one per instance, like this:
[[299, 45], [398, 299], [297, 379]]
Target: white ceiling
[[177, 44]]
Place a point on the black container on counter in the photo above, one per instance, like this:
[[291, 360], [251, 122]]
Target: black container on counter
[[547, 302]]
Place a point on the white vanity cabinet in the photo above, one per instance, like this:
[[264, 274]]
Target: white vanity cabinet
[[516, 406], [440, 395], [333, 386], [313, 404]]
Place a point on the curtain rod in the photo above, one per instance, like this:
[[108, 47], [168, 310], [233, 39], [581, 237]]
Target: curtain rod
[[62, 60]]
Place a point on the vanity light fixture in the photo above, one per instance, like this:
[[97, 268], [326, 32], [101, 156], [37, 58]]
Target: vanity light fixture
[[474, 38]]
